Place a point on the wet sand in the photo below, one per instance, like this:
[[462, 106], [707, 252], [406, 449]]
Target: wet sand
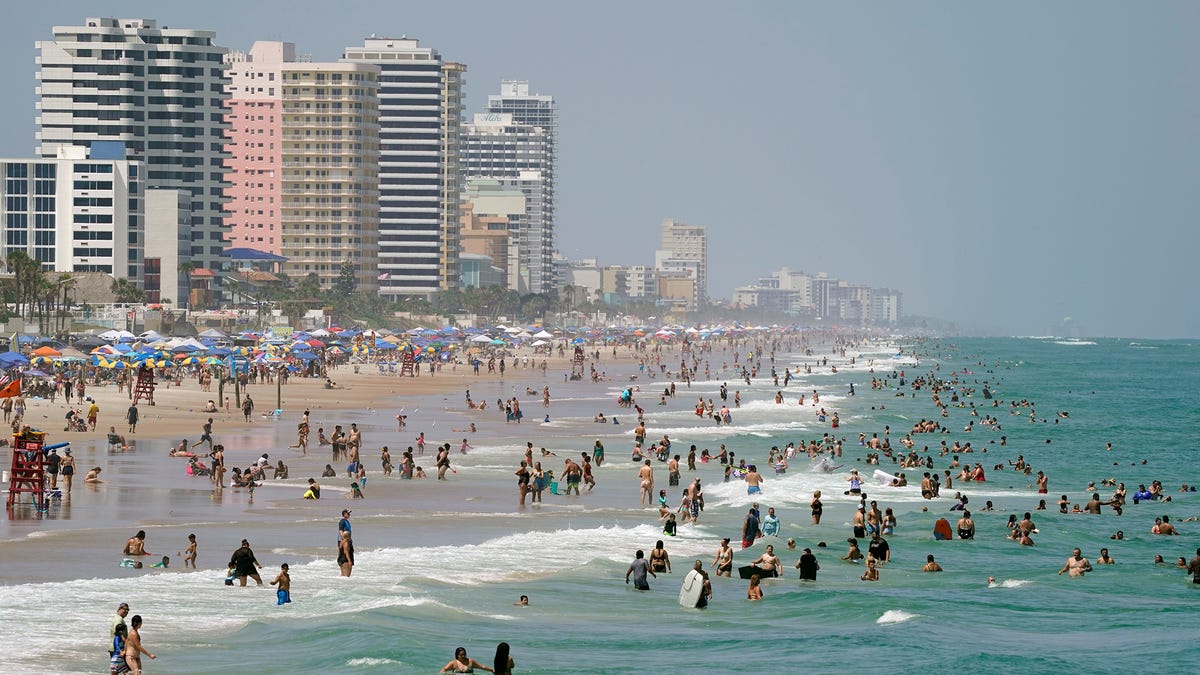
[[147, 489]]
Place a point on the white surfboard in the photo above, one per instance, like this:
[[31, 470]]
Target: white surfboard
[[693, 586]]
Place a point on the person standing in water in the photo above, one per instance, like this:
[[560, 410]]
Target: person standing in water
[[639, 568]]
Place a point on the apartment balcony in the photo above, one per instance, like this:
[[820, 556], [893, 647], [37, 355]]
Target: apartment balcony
[[327, 191]]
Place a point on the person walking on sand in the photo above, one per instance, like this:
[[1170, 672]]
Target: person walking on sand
[[206, 434], [247, 407], [189, 554], [131, 416], [67, 468]]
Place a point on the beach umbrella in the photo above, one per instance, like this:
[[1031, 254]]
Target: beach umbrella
[[10, 359], [46, 351], [481, 338], [35, 373]]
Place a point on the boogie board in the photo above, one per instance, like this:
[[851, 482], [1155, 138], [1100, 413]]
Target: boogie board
[[693, 586], [747, 571], [941, 530]]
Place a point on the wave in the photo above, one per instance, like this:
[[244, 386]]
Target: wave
[[1010, 583], [894, 616], [1074, 342]]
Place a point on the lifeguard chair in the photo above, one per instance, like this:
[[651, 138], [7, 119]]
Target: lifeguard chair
[[144, 386], [577, 364], [28, 472], [408, 363]]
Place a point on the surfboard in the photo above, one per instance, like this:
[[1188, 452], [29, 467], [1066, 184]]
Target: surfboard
[[693, 586]]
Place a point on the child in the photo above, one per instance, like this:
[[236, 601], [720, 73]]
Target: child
[[669, 526], [355, 491], [189, 555], [229, 576], [166, 562], [284, 581]]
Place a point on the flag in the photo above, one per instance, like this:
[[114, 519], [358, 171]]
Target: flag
[[4, 379], [11, 389]]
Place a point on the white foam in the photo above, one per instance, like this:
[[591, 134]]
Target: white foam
[[1010, 583], [1074, 342], [894, 616], [368, 661]]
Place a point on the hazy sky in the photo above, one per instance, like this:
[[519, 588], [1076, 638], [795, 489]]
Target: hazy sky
[[1005, 164]]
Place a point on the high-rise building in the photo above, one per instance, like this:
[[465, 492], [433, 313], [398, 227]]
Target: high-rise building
[[515, 142], [420, 118], [303, 170], [158, 90], [684, 251], [75, 213]]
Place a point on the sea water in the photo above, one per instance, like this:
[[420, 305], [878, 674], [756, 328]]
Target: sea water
[[445, 569]]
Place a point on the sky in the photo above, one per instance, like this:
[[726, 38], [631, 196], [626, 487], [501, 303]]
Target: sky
[[1006, 164]]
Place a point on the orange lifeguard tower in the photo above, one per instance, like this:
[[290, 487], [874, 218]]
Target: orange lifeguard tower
[[144, 386], [28, 472]]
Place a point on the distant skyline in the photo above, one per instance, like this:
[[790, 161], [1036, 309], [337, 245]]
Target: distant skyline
[[1005, 165]]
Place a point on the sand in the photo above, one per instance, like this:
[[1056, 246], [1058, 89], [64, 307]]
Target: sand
[[144, 488]]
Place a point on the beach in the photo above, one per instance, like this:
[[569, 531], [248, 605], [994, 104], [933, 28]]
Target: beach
[[440, 563]]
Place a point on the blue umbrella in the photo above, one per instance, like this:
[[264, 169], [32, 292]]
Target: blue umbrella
[[10, 359]]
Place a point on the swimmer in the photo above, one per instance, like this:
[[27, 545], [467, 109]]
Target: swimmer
[[1077, 565], [461, 663]]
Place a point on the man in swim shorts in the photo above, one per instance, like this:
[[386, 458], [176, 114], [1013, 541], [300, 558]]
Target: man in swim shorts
[[284, 581], [1077, 565], [750, 528]]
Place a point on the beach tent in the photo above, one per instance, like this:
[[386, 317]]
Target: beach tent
[[482, 339], [46, 351], [542, 334], [211, 333], [89, 342]]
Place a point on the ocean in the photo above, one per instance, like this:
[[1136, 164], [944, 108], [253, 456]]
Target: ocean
[[441, 564]]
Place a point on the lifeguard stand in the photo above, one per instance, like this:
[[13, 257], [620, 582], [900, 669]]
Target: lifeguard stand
[[577, 363], [408, 363], [28, 473], [144, 386]]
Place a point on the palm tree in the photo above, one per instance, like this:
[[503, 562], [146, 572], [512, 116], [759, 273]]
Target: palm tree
[[26, 274], [66, 284], [185, 268], [126, 291]]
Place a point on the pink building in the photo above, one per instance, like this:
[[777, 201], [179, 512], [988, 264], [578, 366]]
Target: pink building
[[304, 166], [255, 131]]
